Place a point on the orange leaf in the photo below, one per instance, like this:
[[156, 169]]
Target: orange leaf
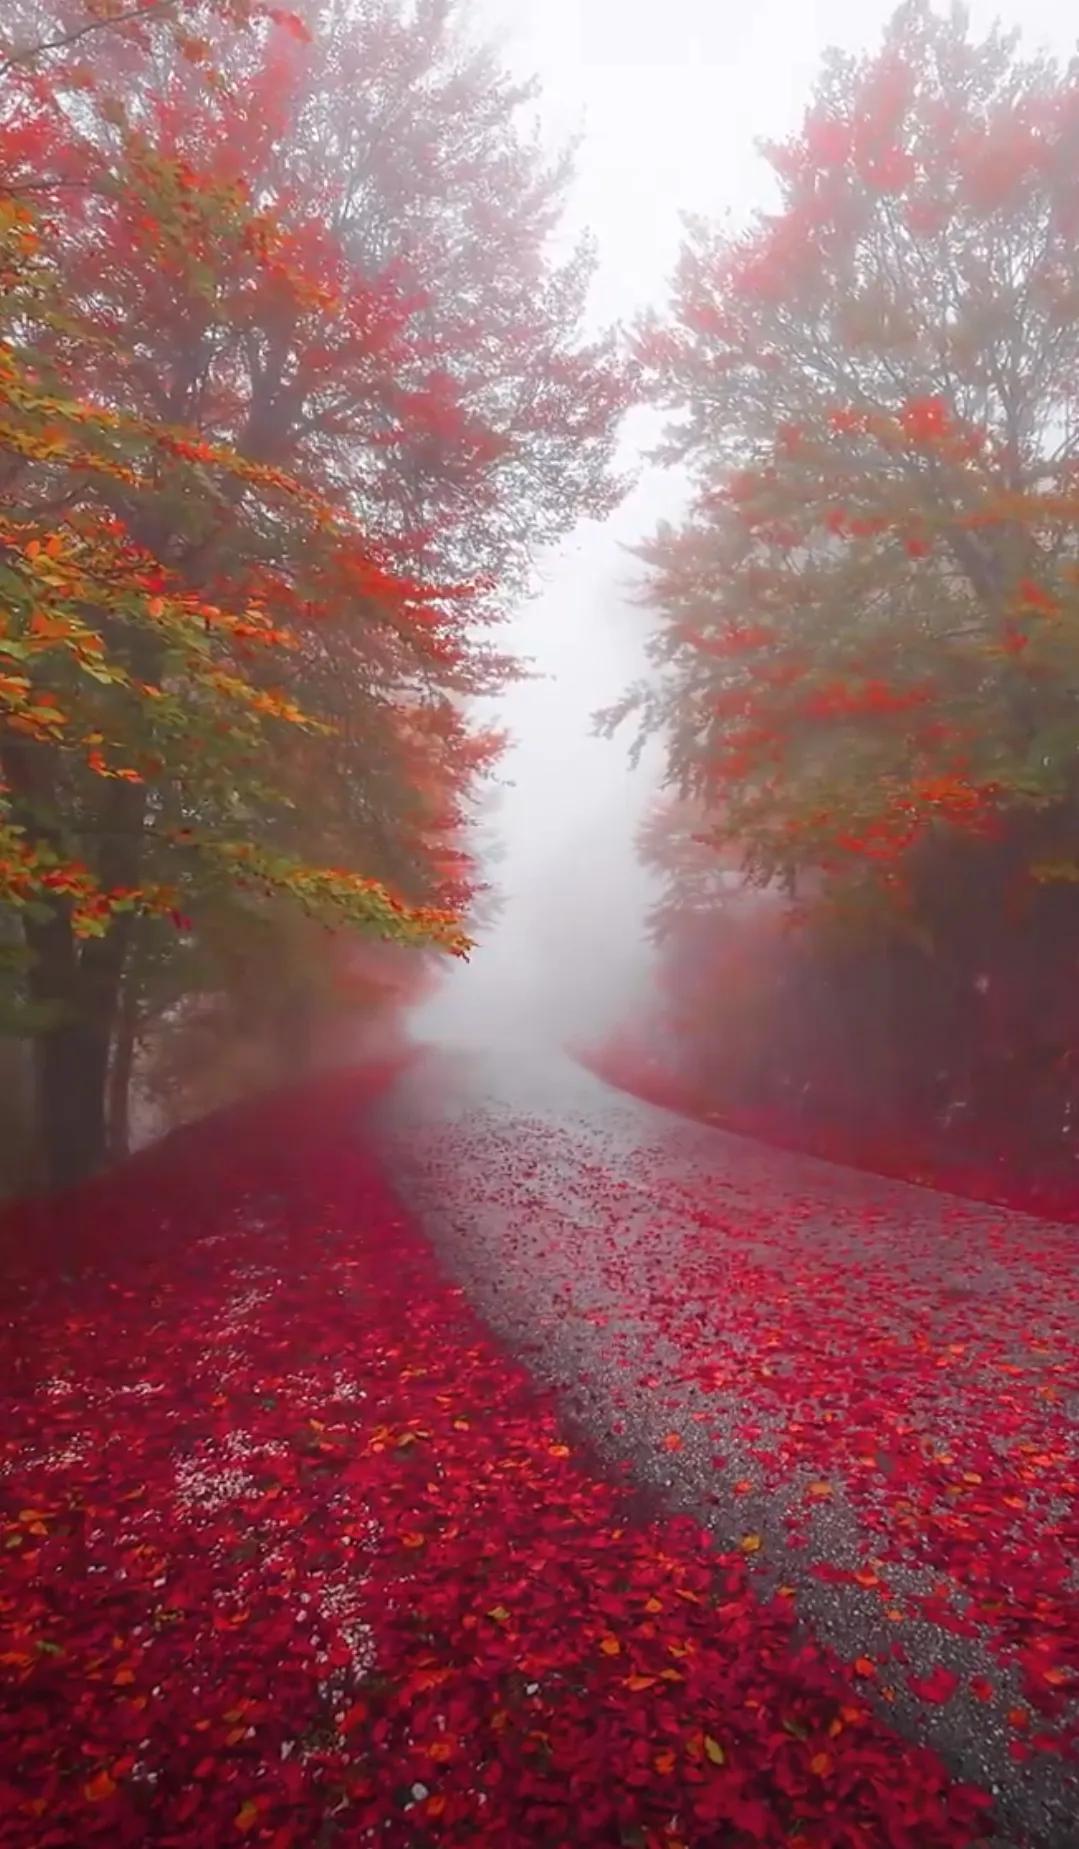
[[636, 1683], [100, 1787], [750, 1543], [672, 1442], [821, 1764], [864, 1666], [610, 1646], [664, 1762]]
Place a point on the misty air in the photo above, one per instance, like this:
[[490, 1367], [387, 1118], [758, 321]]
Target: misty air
[[539, 924]]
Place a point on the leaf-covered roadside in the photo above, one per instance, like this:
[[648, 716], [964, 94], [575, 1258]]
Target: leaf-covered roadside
[[293, 1552]]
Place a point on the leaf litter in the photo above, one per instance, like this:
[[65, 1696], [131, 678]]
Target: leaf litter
[[336, 1571]]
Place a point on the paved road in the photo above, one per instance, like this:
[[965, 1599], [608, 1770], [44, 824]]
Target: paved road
[[871, 1388]]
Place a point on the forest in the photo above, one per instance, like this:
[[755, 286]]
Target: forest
[[865, 663], [517, 1438], [296, 387]]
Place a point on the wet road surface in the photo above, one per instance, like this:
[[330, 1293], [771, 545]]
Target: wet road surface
[[868, 1387]]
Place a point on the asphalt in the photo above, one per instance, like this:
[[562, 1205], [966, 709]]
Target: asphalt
[[575, 1216]]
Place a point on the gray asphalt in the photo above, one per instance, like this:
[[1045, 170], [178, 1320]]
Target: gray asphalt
[[605, 1240]]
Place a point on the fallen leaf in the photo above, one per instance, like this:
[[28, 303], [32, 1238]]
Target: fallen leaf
[[100, 1787]]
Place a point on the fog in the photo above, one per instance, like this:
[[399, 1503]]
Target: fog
[[669, 102]]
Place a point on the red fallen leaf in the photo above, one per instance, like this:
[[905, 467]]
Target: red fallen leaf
[[99, 1788], [939, 1686], [570, 1568], [981, 1688]]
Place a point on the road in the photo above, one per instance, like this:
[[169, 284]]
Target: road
[[868, 1387]]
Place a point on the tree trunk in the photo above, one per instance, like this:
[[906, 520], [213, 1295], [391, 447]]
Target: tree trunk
[[119, 1080], [79, 981], [294, 1033], [71, 1059]]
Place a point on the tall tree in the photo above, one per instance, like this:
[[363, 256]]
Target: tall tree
[[867, 635], [866, 661], [266, 489]]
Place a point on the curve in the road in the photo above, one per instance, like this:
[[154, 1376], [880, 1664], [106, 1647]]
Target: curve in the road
[[869, 1387]]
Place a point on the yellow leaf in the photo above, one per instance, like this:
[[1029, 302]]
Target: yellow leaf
[[751, 1543], [714, 1750], [499, 1614]]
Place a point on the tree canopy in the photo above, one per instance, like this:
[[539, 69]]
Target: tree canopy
[[291, 386], [867, 634]]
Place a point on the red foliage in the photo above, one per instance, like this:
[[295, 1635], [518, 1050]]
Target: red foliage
[[289, 1539], [828, 1384]]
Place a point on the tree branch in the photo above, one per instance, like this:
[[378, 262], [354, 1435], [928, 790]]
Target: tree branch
[[152, 9]]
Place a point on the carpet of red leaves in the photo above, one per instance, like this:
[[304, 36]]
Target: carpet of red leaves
[[624, 1063], [294, 1555]]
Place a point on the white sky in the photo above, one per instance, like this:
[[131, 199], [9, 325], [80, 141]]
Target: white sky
[[671, 96]]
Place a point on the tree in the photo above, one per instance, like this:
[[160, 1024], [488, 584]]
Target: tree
[[866, 635], [256, 525], [867, 653]]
